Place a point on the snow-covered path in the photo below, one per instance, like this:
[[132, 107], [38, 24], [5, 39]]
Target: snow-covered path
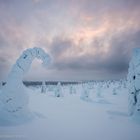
[[71, 118]]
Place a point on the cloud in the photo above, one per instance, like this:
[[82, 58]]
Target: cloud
[[115, 60], [84, 37]]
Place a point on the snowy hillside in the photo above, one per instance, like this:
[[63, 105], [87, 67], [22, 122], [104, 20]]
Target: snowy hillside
[[103, 114]]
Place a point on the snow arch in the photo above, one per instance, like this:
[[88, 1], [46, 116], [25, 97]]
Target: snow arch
[[14, 98]]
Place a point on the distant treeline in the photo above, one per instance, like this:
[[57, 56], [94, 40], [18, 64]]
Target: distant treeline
[[39, 83]]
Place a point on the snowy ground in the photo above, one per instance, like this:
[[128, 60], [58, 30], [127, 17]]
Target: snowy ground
[[71, 118]]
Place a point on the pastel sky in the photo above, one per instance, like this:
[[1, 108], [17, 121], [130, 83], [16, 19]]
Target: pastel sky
[[87, 39]]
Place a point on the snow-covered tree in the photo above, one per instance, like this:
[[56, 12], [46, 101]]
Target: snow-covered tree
[[85, 92], [114, 91], [43, 87], [72, 89], [58, 90], [133, 79], [14, 97], [99, 87]]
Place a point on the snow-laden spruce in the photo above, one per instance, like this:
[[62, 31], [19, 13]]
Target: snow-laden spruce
[[43, 87], [58, 90], [14, 98], [134, 82], [85, 92], [72, 89]]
